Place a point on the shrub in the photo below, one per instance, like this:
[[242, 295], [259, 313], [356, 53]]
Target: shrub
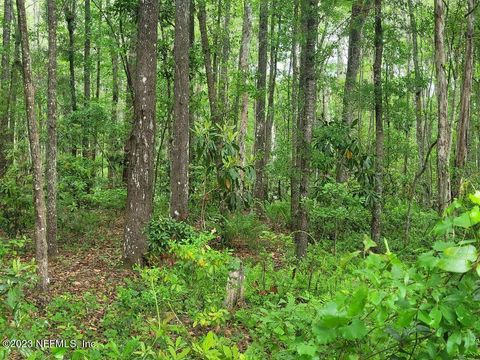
[[163, 230], [278, 213], [245, 228]]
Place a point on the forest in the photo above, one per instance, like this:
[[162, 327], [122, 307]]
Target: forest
[[240, 179]]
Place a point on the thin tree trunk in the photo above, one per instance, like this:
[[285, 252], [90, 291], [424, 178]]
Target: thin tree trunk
[[52, 130], [274, 44], [223, 78], [294, 178], [34, 138], [87, 75], [70, 19], [418, 86], [360, 9], [142, 138], [377, 80], [99, 58], [180, 147], [307, 118], [243, 74], [443, 146], [4, 101], [259, 145], [465, 111]]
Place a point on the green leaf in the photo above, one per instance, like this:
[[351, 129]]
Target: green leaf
[[359, 299], [356, 330], [475, 198], [368, 243], [435, 317], [306, 349], [453, 341], [324, 335], [458, 259], [474, 215], [463, 220]]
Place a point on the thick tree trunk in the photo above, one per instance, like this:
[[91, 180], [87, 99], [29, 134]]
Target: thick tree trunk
[[5, 73], [34, 138], [115, 97], [260, 126], [52, 130], [377, 80], [243, 74], [443, 146], [360, 9], [307, 118], [142, 138], [180, 147], [464, 118]]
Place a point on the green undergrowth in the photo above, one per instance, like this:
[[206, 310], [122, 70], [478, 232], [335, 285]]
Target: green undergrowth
[[369, 303]]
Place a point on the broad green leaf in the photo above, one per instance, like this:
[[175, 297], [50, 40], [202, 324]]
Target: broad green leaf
[[475, 198], [324, 335], [359, 299], [453, 341], [464, 252], [355, 330], [454, 265], [306, 349], [435, 317], [463, 220], [474, 215]]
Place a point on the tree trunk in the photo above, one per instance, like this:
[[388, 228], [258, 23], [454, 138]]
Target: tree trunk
[[443, 146], [52, 130], [223, 78], [212, 93], [70, 19], [4, 103], [377, 80], [308, 101], [34, 138], [418, 86], [464, 119], [180, 147], [243, 75], [87, 75], [142, 138], [360, 9], [294, 178], [259, 145], [274, 44]]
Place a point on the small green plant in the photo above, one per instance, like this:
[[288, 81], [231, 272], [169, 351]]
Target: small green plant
[[162, 231]]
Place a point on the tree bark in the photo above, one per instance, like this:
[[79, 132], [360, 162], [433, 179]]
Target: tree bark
[[272, 77], [360, 9], [465, 111], [181, 89], [443, 146], [260, 126], [211, 87], [52, 130], [308, 101], [142, 138], [87, 75], [377, 80], [4, 101], [223, 76], [70, 19], [243, 74], [34, 139]]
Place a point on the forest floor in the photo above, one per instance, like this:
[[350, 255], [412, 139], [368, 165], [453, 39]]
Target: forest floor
[[89, 264]]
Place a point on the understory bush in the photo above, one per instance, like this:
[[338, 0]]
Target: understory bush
[[164, 230]]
